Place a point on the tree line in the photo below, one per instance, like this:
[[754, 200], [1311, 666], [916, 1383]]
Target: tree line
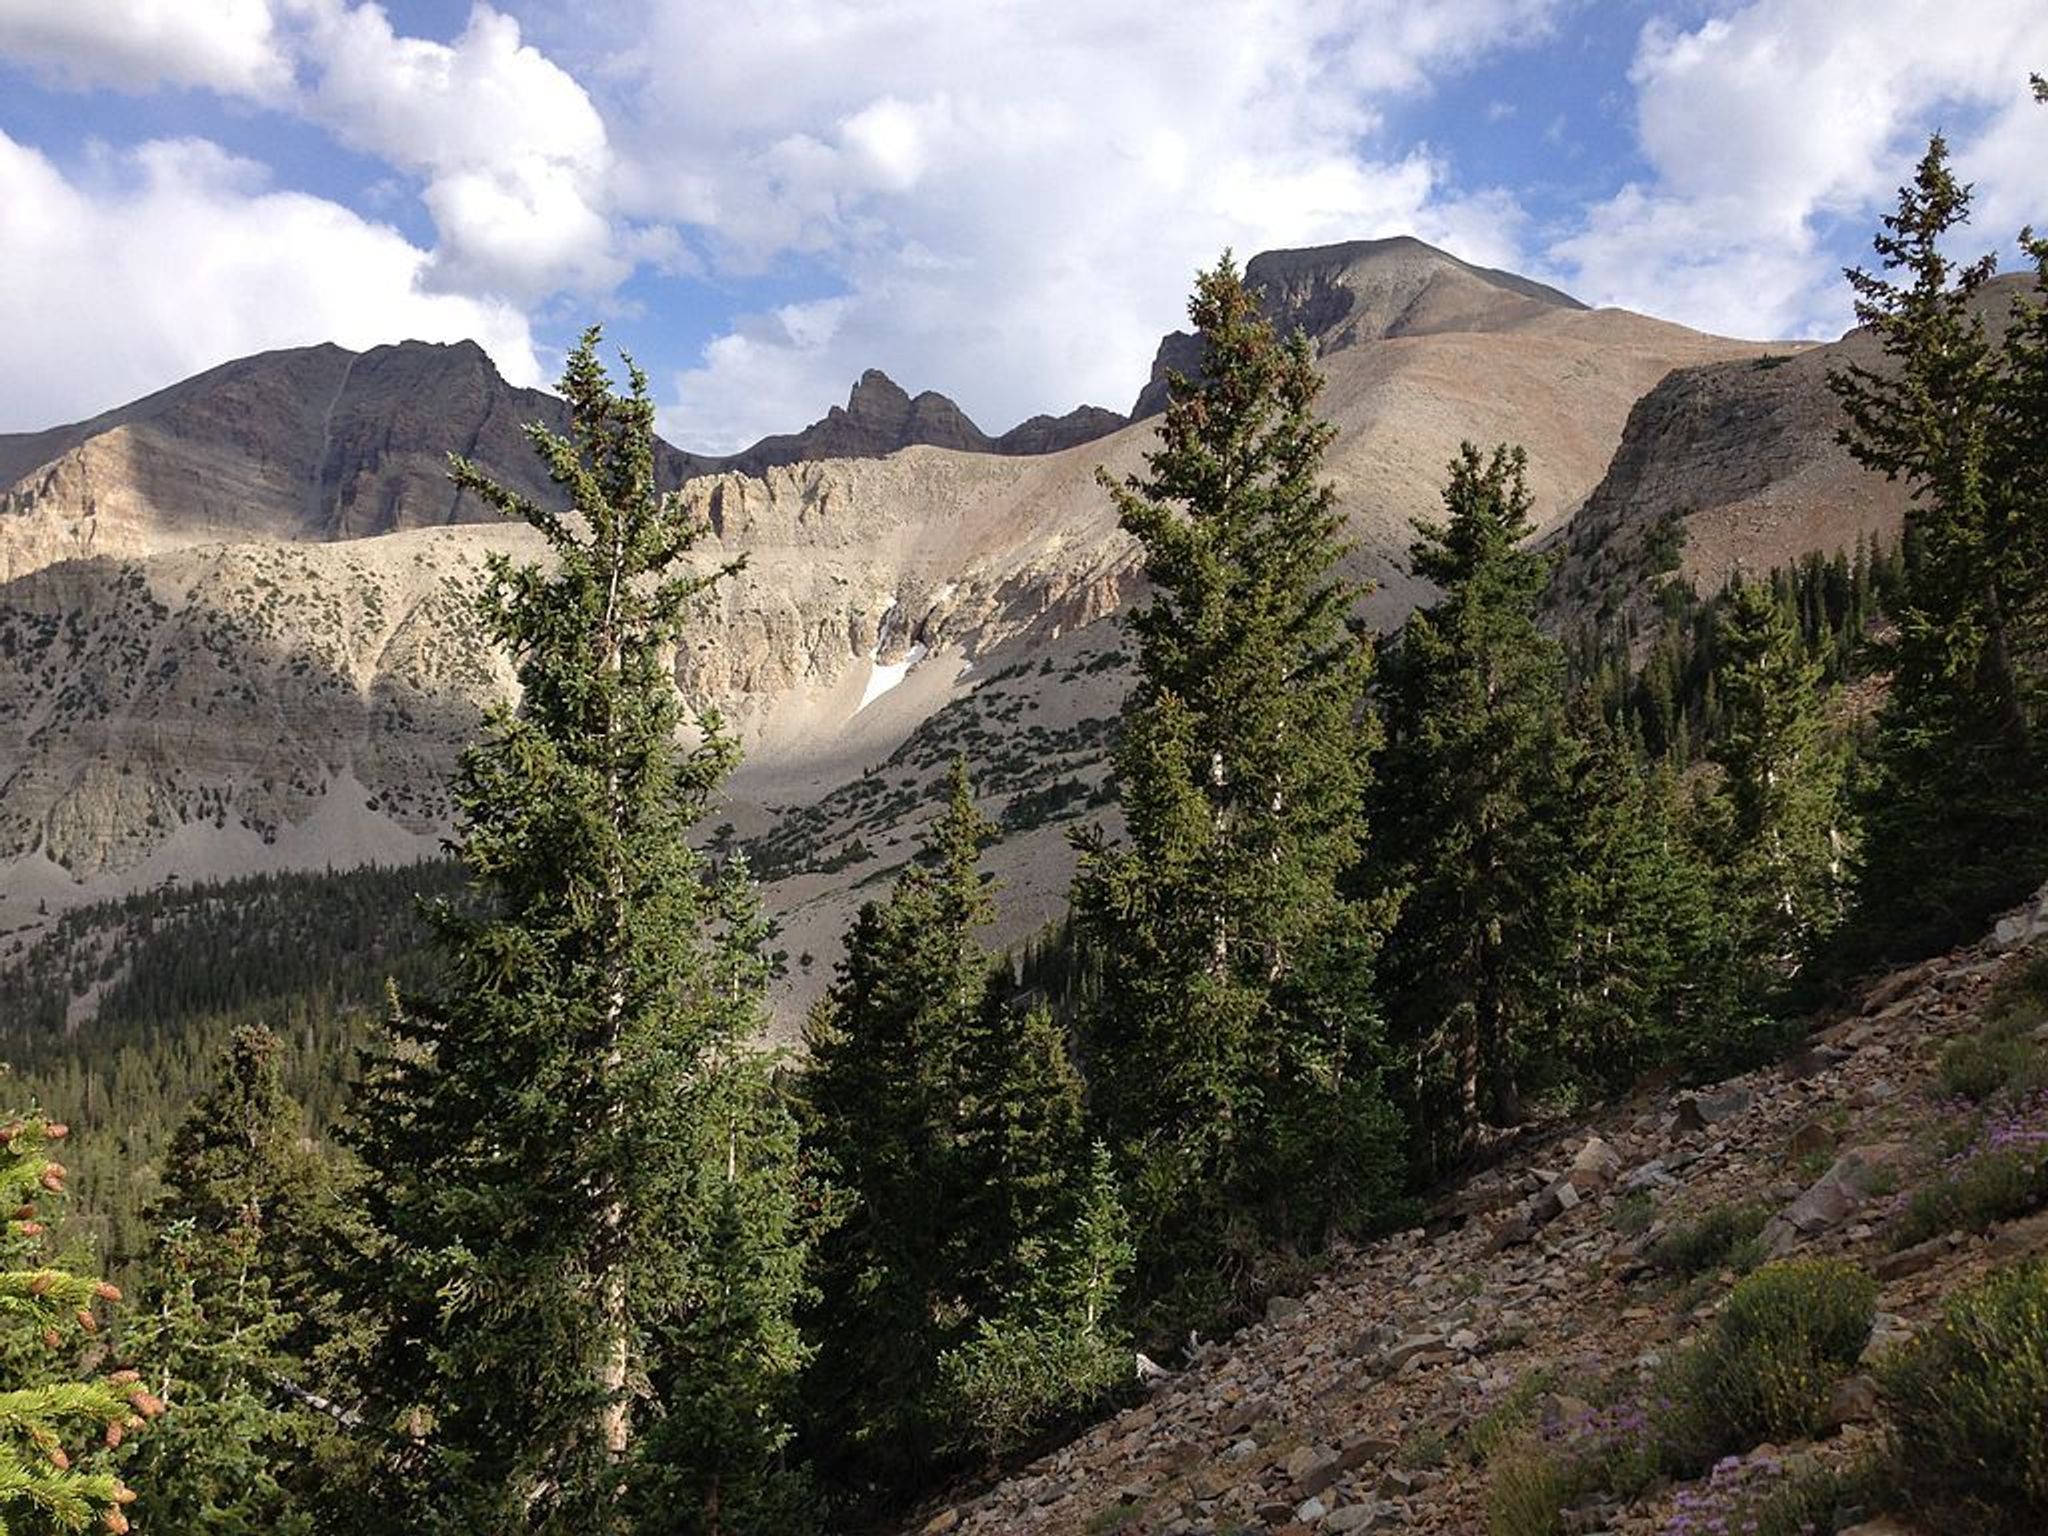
[[587, 1259]]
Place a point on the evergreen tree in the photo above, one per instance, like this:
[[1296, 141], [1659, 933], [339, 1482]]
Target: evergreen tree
[[1473, 789], [1214, 1040], [1953, 808], [888, 1047], [578, 1170], [58, 1426], [1643, 937], [952, 1126], [1777, 825], [232, 1308]]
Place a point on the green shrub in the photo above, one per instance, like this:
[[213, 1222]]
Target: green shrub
[[1724, 1235], [1509, 1417], [1425, 1449], [1011, 1382], [1529, 1492], [1969, 1402], [2021, 999], [1978, 1192], [1633, 1213], [1765, 1369], [2001, 1056]]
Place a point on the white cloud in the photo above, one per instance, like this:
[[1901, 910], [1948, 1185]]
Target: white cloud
[[134, 45], [1771, 124], [1013, 198], [514, 156], [176, 256]]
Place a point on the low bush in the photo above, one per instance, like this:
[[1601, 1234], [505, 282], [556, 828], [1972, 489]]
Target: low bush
[[1765, 1369], [1761, 1496], [1969, 1403], [1999, 1173], [1529, 1492], [1507, 1418], [2021, 997], [1722, 1236], [2001, 1056]]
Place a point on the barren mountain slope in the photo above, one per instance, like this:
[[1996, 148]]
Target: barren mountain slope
[[1737, 463]]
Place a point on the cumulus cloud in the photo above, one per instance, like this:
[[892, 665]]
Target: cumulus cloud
[[229, 46], [514, 158], [151, 265], [1015, 197], [1770, 125]]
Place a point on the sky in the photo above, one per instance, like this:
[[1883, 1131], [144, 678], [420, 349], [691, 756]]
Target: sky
[[1002, 201]]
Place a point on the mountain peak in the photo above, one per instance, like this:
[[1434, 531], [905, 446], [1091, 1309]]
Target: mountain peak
[[1360, 291]]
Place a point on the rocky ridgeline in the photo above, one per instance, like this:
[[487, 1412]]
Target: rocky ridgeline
[[1365, 1404]]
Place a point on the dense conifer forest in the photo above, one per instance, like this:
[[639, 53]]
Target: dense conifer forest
[[461, 1197]]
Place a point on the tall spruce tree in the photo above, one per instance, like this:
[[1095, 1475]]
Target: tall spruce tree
[[584, 1185], [951, 1125], [1234, 1056], [1643, 941], [1471, 807], [888, 1045], [1953, 811]]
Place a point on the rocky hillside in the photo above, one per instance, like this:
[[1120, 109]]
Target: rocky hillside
[[1539, 1300], [1733, 466], [230, 643]]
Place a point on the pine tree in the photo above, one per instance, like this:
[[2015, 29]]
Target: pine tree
[[1473, 784], [1241, 771], [1643, 939], [578, 1168], [58, 1427], [1952, 811], [1777, 830]]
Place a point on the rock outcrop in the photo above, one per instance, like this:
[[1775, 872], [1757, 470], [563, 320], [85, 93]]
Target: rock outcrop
[[1733, 466]]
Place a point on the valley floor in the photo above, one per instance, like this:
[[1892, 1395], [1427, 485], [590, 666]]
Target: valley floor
[[1367, 1403]]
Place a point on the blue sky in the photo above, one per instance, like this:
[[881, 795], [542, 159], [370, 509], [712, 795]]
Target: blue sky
[[1004, 201]]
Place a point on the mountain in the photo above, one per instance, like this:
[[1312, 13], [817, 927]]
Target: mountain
[[1343, 296], [232, 636], [1734, 466], [320, 443], [879, 417]]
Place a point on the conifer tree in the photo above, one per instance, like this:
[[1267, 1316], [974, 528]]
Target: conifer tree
[[952, 1127], [1643, 940], [1953, 808], [59, 1426], [580, 1175], [232, 1308], [1777, 827], [1234, 1009], [888, 1048], [1473, 783]]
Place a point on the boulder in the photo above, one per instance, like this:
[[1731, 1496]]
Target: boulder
[[1828, 1200]]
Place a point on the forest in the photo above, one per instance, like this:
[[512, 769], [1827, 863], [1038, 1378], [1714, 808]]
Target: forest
[[491, 1215]]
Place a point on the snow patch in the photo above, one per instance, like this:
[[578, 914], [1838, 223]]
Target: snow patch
[[884, 676]]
